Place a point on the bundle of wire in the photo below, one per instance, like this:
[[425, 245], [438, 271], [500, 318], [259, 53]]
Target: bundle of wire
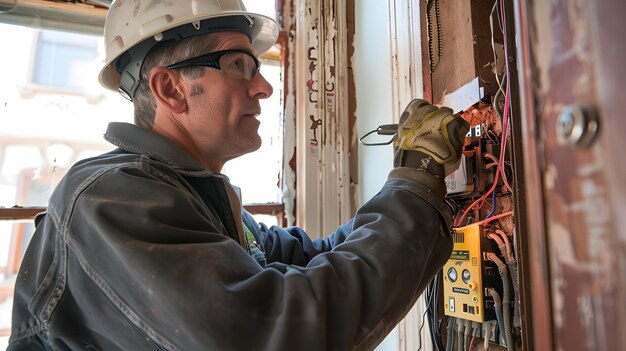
[[431, 295], [505, 127]]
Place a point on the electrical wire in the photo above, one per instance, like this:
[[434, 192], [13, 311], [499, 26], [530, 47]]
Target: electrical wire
[[507, 96], [511, 262], [493, 45], [450, 339], [499, 92], [459, 334], [453, 206], [480, 200], [486, 336], [504, 275], [500, 165], [430, 302], [488, 220], [497, 304], [498, 241], [419, 332], [505, 73], [456, 219], [492, 157], [468, 326], [491, 165], [430, 297], [493, 194], [493, 205], [471, 345], [435, 323], [507, 245]]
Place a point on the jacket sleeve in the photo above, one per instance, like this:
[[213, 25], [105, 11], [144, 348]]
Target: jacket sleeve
[[152, 250], [293, 245]]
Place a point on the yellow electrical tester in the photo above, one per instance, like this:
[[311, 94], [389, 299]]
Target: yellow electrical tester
[[467, 275]]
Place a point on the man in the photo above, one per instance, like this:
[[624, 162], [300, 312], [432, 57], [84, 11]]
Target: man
[[147, 247]]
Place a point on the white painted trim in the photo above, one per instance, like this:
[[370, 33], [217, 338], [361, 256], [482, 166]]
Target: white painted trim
[[406, 51], [323, 186], [407, 84], [289, 190]]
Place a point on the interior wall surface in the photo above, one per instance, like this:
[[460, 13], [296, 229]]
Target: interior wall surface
[[372, 74]]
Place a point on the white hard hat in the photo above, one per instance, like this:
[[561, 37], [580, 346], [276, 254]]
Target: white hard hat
[[133, 27]]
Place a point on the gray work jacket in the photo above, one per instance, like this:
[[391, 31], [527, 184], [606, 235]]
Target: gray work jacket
[[142, 249]]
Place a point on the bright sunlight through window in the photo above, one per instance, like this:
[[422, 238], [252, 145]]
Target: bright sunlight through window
[[53, 112]]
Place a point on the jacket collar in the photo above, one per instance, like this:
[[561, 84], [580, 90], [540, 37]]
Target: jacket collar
[[136, 139]]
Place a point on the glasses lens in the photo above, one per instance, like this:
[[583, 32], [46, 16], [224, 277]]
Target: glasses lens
[[239, 63]]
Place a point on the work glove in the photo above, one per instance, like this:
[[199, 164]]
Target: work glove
[[429, 139]]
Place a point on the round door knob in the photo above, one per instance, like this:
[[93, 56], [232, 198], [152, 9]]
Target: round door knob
[[577, 125]]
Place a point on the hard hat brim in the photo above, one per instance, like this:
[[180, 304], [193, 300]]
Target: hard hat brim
[[264, 34]]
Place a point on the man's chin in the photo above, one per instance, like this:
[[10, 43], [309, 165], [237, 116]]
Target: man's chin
[[252, 145]]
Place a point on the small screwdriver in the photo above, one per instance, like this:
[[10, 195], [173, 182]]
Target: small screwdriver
[[385, 129]]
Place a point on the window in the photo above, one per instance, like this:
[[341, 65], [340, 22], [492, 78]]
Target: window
[[264, 166], [49, 120], [62, 59], [53, 113], [258, 174]]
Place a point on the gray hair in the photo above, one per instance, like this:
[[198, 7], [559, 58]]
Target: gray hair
[[166, 54]]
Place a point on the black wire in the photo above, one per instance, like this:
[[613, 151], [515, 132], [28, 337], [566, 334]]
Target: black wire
[[454, 207], [422, 327], [437, 320], [433, 316], [428, 297], [430, 312], [431, 296], [450, 337]]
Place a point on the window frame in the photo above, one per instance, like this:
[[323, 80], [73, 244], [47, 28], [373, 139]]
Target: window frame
[[28, 213], [84, 20]]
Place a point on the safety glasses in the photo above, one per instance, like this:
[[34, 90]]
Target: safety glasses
[[238, 62]]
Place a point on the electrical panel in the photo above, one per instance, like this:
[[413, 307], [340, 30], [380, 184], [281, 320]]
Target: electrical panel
[[479, 285], [467, 70]]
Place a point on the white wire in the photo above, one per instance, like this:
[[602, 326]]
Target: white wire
[[493, 47]]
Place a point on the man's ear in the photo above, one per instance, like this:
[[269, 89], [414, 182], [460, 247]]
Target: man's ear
[[168, 89]]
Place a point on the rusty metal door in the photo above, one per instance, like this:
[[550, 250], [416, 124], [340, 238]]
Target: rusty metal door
[[573, 89]]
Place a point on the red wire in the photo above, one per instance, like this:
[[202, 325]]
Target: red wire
[[472, 342], [500, 161], [486, 221], [505, 127]]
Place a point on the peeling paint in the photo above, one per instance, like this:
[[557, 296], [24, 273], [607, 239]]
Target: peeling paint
[[289, 141], [581, 44], [323, 116], [136, 8], [580, 224]]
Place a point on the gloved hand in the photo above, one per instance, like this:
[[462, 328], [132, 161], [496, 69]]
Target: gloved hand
[[430, 138]]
